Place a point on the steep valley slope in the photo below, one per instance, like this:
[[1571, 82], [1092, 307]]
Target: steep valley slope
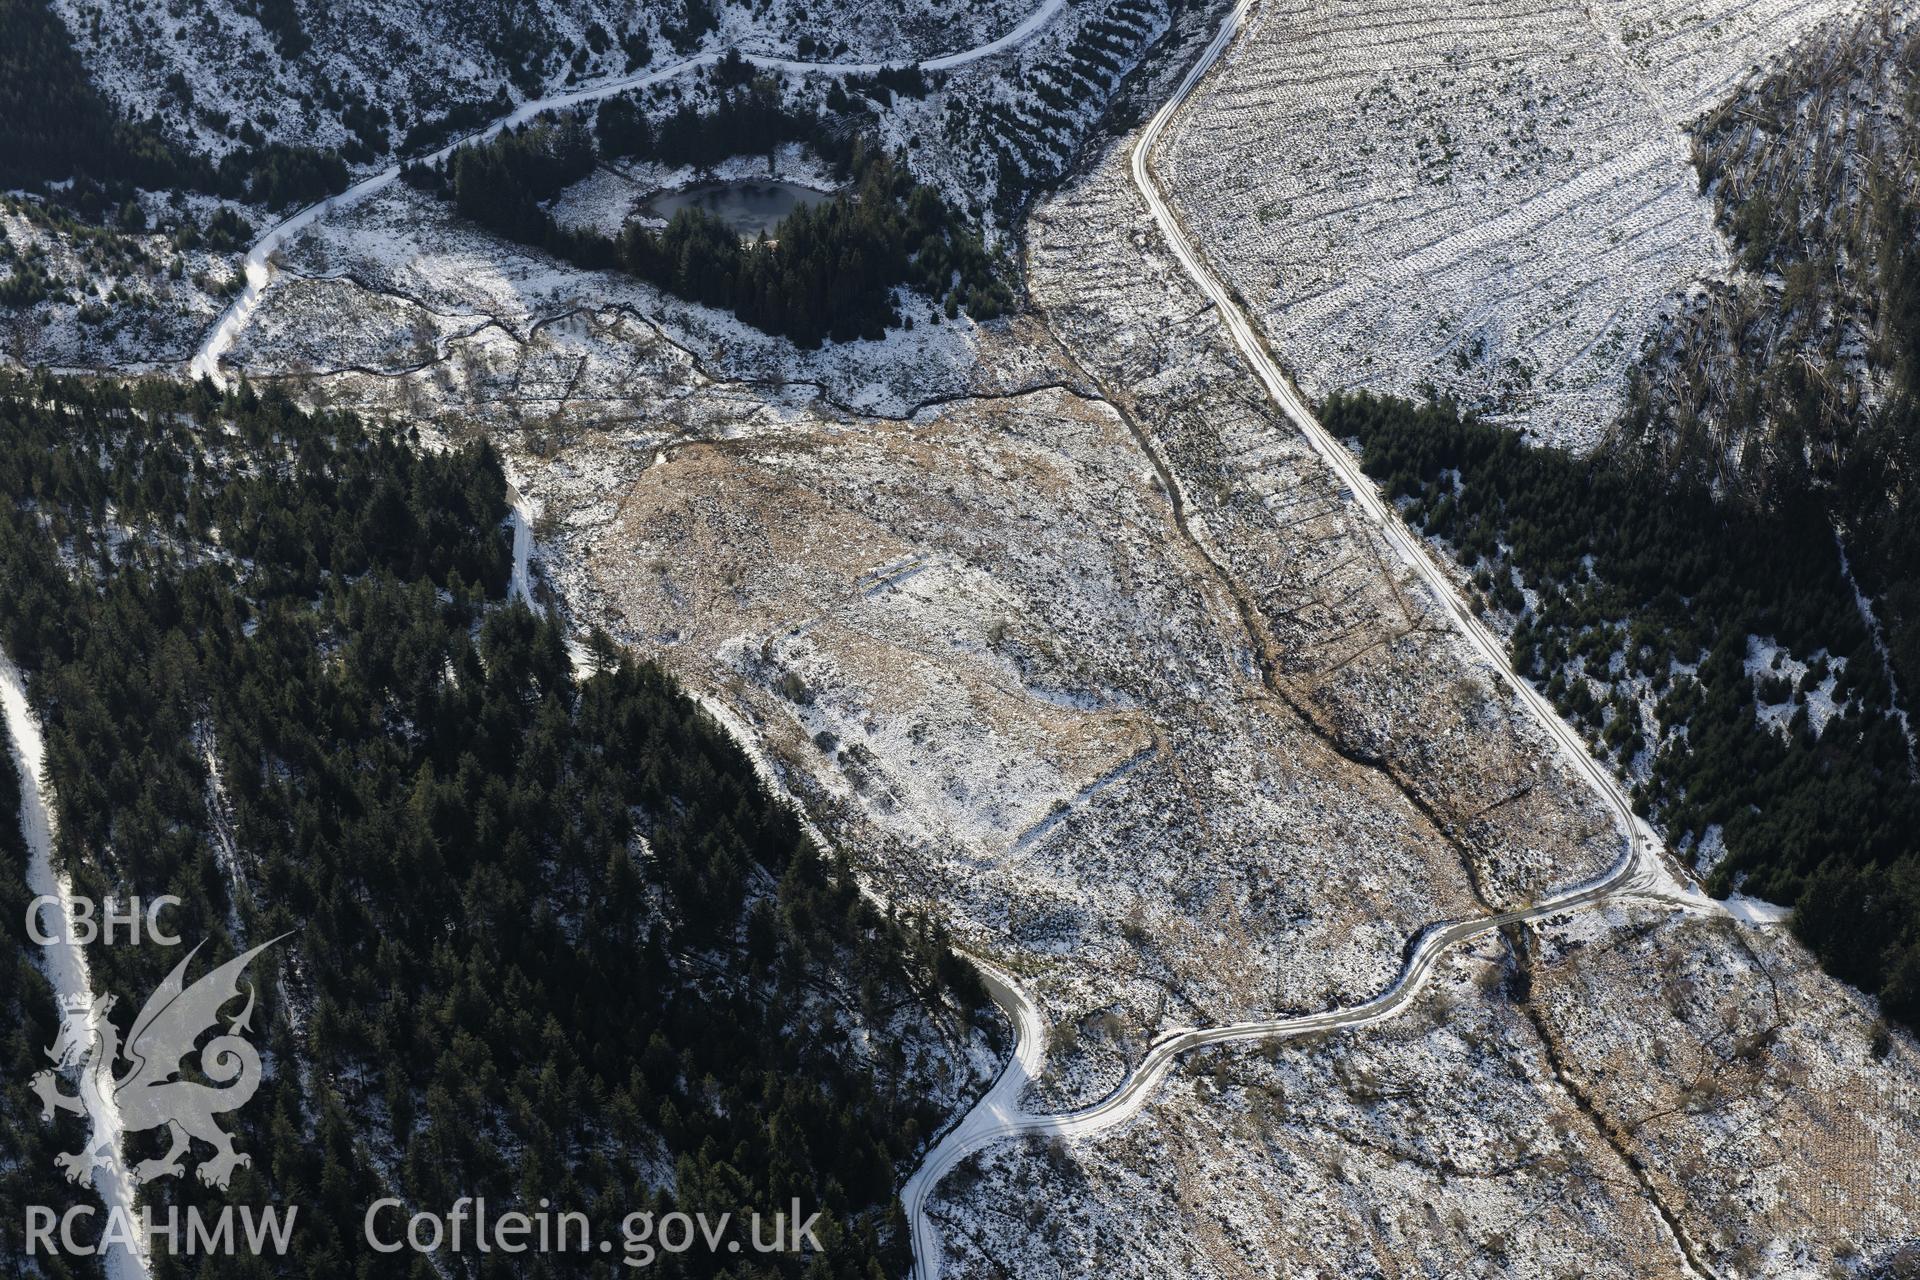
[[1066, 635]]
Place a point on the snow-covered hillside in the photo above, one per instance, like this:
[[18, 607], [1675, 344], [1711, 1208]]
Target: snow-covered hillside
[[321, 74], [994, 133], [1171, 771], [74, 295], [1493, 201], [1751, 1118], [1460, 1139], [1070, 639]]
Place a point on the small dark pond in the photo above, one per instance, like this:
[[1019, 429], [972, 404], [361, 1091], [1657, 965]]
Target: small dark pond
[[748, 207]]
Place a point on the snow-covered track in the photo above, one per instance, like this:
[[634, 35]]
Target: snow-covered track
[[66, 961]]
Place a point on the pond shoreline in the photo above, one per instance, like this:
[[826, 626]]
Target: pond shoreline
[[749, 206]]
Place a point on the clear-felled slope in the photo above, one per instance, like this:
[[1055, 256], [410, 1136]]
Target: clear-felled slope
[[1496, 201]]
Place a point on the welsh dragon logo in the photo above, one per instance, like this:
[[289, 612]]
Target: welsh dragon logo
[[147, 1094]]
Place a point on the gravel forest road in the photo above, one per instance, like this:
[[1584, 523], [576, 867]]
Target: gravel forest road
[[1642, 871]]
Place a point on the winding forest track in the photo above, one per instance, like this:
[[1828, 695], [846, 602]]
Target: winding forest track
[[258, 265], [66, 960], [1642, 870], [1639, 872]]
